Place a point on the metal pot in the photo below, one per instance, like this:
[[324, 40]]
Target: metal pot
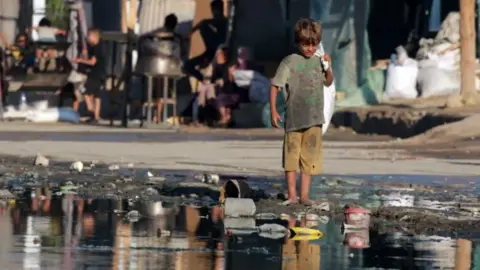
[[158, 57]]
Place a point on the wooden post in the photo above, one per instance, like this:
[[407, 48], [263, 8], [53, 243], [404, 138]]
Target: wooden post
[[467, 48]]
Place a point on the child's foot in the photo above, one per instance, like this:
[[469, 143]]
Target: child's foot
[[289, 202]]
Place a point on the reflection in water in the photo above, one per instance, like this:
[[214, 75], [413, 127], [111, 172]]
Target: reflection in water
[[48, 232]]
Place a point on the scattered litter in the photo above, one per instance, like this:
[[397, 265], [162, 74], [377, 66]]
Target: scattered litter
[[397, 200], [76, 166], [357, 217], [41, 161], [266, 216], [210, 179], [237, 207], [133, 216], [114, 167], [130, 165], [149, 174]]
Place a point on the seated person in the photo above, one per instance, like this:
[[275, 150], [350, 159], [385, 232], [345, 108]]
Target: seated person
[[213, 32], [20, 51], [47, 34]]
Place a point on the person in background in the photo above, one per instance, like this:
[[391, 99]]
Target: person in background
[[167, 34], [96, 73], [47, 34], [303, 75], [20, 51], [213, 32]]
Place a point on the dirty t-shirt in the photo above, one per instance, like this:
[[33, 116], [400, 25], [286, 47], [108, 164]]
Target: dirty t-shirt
[[302, 80]]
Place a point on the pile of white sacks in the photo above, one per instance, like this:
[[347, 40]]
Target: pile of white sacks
[[436, 69], [39, 112]]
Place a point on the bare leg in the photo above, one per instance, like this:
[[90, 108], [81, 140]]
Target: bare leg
[[305, 188], [98, 104], [223, 115], [89, 103], [76, 105], [158, 116], [291, 185]]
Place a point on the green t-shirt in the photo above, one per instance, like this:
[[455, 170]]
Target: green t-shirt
[[302, 80]]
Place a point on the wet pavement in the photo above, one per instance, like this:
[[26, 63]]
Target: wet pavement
[[67, 232]]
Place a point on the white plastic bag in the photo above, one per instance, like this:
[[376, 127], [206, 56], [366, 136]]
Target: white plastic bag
[[402, 80], [54, 115], [329, 94], [434, 81]]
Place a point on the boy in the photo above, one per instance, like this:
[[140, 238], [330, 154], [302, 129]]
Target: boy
[[95, 73], [303, 76]]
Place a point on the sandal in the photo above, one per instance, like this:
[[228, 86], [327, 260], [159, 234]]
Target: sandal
[[289, 202]]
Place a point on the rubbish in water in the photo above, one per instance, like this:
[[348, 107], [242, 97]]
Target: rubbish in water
[[397, 200], [133, 216], [164, 233], [358, 239], [301, 231], [239, 207], [114, 167], [41, 161], [5, 194], [76, 166], [208, 178], [323, 206], [266, 216], [236, 189], [357, 217]]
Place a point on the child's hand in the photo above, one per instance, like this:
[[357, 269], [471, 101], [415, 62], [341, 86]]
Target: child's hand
[[275, 118], [326, 62]]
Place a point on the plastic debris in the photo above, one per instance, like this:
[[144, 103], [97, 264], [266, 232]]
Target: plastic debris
[[76, 166], [41, 161]]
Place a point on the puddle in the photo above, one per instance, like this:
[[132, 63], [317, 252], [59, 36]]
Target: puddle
[[65, 232]]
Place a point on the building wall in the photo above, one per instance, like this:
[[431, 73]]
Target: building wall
[[15, 16]]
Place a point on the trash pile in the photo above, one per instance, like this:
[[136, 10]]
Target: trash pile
[[436, 69], [39, 112]]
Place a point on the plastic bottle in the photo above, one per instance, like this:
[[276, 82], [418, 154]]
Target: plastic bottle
[[23, 102]]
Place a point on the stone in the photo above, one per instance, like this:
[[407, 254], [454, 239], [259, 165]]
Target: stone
[[41, 160], [76, 166]]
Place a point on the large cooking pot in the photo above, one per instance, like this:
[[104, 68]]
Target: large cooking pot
[[158, 56]]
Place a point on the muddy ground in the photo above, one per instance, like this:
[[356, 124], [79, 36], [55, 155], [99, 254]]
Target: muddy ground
[[21, 177]]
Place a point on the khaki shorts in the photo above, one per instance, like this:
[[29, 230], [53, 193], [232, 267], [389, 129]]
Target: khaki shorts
[[303, 150]]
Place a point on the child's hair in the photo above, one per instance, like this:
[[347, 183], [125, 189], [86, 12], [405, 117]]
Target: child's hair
[[171, 21], [45, 22], [308, 31], [95, 31]]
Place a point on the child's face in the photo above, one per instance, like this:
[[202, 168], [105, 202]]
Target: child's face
[[308, 49], [93, 37]]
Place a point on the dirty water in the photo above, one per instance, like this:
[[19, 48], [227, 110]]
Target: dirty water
[[68, 232]]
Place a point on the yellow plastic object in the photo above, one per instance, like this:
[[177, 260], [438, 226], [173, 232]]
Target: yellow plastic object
[[306, 237], [300, 231], [11, 203]]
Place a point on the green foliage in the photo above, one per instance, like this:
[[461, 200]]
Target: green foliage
[[57, 13]]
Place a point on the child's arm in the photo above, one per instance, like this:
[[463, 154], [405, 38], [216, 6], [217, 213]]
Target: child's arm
[[280, 80], [275, 117]]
